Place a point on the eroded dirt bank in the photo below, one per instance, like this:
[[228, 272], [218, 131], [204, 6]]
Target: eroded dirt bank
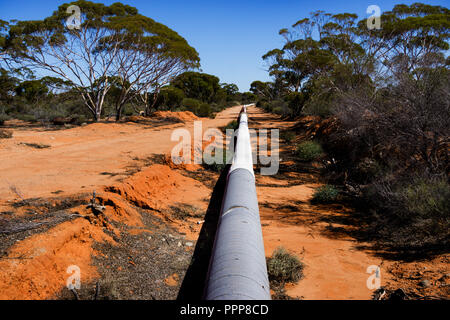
[[140, 237]]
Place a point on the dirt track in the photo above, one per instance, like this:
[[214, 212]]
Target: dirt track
[[77, 157], [133, 236]]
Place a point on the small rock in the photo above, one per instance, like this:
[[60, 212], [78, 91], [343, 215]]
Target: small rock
[[149, 238], [189, 244], [180, 244], [163, 239], [425, 283]]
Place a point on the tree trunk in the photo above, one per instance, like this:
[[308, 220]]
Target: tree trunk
[[118, 114]]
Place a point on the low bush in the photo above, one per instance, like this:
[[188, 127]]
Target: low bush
[[309, 151], [78, 119], [411, 215], [204, 110], [217, 167], [287, 136], [5, 134], [3, 118], [190, 104], [325, 194], [284, 267], [27, 117]]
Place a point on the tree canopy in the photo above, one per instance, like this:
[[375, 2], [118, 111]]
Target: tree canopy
[[112, 41]]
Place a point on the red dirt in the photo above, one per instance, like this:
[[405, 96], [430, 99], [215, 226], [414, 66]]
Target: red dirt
[[35, 268], [86, 157], [156, 187], [180, 115]]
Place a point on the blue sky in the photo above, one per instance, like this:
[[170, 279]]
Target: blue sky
[[231, 36]]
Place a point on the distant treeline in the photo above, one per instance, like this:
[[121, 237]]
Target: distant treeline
[[386, 93]]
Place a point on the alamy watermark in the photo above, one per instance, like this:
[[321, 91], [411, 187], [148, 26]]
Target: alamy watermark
[[74, 280], [374, 281], [74, 21], [374, 20], [264, 142]]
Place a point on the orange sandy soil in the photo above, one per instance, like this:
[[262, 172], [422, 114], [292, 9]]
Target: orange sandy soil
[[115, 160]]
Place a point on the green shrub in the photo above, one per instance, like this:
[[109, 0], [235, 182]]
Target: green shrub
[[411, 216], [284, 267], [317, 109], [3, 118], [325, 194], [287, 136], [78, 119], [190, 104], [204, 110], [278, 110], [309, 151], [425, 198], [217, 167], [27, 117]]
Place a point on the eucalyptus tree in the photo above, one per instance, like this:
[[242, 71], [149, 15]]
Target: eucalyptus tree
[[109, 41], [200, 86], [150, 57], [3, 35], [410, 36]]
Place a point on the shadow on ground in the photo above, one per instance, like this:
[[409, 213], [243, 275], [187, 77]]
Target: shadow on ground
[[195, 279]]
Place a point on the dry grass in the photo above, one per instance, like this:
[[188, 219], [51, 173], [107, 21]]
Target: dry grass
[[5, 134], [284, 267]]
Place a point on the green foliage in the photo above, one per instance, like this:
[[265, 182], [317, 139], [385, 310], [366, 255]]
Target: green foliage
[[199, 86], [425, 198], [3, 118], [8, 84], [309, 151], [170, 97], [248, 97], [204, 110], [284, 267], [26, 117], [190, 104], [287, 136], [385, 94], [411, 216], [133, 50], [32, 90], [325, 194], [295, 101], [217, 167], [78, 119]]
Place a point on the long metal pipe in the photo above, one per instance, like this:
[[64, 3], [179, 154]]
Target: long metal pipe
[[238, 269]]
